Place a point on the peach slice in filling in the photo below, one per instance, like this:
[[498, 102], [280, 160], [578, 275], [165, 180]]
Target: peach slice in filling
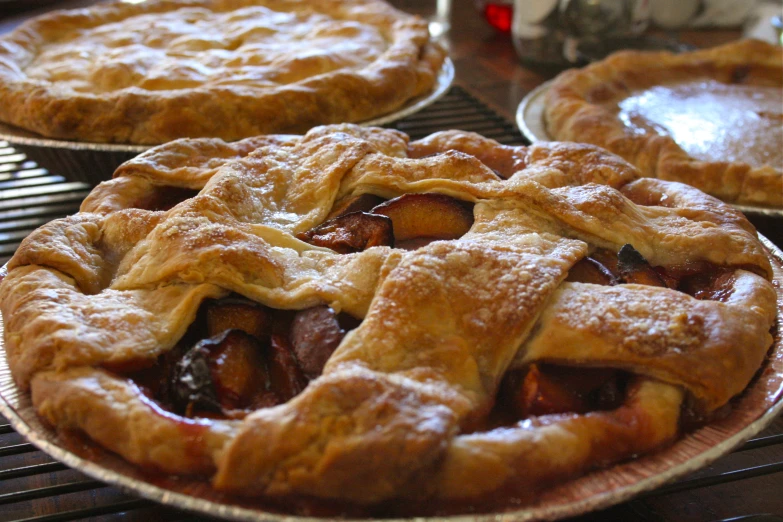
[[358, 203], [408, 222], [352, 232], [547, 389], [433, 216], [163, 198], [240, 356], [699, 279]]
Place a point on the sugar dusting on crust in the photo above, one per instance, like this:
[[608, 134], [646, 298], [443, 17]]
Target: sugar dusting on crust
[[151, 72], [442, 323]]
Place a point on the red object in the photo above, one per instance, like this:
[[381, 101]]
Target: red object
[[499, 15]]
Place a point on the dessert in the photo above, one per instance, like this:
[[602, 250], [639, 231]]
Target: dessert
[[301, 330], [150, 72], [711, 118]]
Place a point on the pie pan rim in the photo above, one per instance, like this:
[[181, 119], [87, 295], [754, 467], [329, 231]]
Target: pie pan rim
[[93, 163], [17, 135], [529, 119], [702, 447]]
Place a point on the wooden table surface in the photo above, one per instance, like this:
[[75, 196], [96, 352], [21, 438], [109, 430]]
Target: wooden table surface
[[487, 67]]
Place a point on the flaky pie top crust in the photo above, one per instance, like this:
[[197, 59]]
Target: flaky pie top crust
[[117, 284], [582, 106], [159, 70]]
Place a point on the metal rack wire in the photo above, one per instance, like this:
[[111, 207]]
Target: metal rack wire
[[33, 487]]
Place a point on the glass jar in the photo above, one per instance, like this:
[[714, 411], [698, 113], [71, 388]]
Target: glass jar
[[537, 33], [549, 32]]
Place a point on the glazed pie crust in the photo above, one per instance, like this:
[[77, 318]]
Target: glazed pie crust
[[117, 285], [155, 71], [576, 110]]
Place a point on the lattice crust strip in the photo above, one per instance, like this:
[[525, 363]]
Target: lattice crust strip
[[401, 408]]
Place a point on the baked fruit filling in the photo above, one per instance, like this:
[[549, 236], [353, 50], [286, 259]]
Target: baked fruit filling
[[407, 222], [240, 356], [701, 280], [490, 335], [162, 198], [545, 389]]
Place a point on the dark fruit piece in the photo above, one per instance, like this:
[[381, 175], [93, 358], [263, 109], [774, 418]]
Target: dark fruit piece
[[239, 371], [539, 394], [548, 389], [164, 198], [607, 259], [581, 380], [347, 321], [716, 285], [703, 280], [609, 395], [315, 334], [352, 232], [674, 274], [240, 314], [670, 281], [156, 381], [435, 216], [191, 385], [224, 372], [286, 377], [588, 270], [634, 268], [349, 204]]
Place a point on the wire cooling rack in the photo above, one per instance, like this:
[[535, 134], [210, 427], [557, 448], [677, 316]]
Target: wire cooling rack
[[33, 487]]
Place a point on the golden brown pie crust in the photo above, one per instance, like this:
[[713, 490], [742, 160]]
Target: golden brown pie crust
[[390, 418], [582, 106], [151, 72]]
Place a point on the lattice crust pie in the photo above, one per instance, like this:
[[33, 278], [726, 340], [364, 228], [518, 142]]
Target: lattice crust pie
[[710, 118], [154, 71], [347, 316]]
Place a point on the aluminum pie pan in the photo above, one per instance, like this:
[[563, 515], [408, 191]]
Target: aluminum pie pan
[[530, 120], [752, 411], [95, 162]]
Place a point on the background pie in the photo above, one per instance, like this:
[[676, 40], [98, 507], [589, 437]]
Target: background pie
[[150, 72], [267, 313], [711, 118]]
